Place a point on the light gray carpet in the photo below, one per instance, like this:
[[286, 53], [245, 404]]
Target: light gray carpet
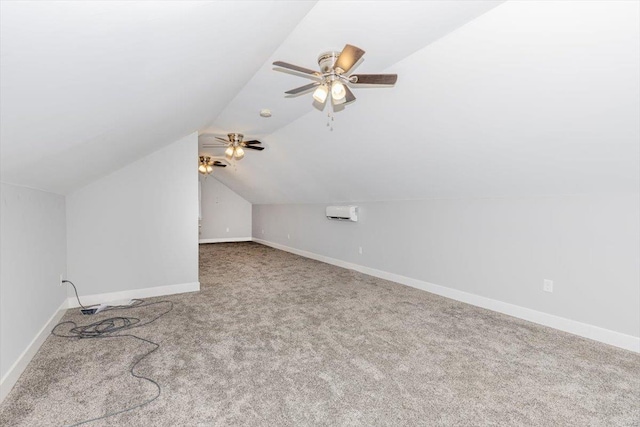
[[274, 339]]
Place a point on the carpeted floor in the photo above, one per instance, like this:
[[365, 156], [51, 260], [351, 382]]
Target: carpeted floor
[[274, 339]]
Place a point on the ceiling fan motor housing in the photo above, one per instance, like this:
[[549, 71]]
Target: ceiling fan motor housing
[[235, 138], [327, 60]]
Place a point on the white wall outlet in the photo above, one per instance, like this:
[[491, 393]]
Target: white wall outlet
[[61, 279], [288, 236], [548, 285], [227, 229], [262, 231], [360, 250]]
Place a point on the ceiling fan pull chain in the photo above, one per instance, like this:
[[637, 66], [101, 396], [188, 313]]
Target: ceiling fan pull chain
[[330, 118]]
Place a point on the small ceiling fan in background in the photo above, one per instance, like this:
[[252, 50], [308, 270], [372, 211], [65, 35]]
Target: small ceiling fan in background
[[234, 145], [333, 79], [206, 165]]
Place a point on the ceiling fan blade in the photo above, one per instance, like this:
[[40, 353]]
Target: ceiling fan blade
[[302, 88], [253, 141], [296, 68], [349, 97], [373, 79], [348, 58], [222, 139], [253, 147], [222, 165]]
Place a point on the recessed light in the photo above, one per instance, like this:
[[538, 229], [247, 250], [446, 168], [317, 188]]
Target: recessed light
[[265, 112]]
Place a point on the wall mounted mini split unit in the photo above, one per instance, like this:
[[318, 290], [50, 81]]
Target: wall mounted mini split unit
[[344, 213]]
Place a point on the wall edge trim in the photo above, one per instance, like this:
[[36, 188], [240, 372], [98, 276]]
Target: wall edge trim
[[226, 240], [156, 291], [585, 330], [13, 374]]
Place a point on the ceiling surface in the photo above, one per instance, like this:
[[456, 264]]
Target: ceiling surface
[[494, 99], [88, 87]]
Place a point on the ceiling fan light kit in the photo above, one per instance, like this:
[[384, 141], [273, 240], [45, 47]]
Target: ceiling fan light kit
[[338, 91], [234, 153], [321, 93], [205, 169]]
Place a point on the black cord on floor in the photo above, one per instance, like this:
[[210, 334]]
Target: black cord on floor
[[108, 328], [74, 290]]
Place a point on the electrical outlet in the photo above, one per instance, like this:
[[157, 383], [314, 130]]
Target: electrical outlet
[[61, 279], [288, 236], [227, 229], [360, 250], [548, 285], [262, 231]]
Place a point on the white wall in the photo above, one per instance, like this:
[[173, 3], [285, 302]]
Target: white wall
[[33, 254], [225, 214], [498, 248], [138, 227]]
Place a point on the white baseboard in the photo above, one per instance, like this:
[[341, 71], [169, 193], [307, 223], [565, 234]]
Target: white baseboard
[[133, 294], [14, 372], [585, 330], [226, 240]]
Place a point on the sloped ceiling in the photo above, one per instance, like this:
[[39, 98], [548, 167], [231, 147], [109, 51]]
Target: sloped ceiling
[[493, 99], [529, 98], [88, 87]]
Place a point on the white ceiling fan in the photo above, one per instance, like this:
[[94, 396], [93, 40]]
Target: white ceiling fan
[[333, 79]]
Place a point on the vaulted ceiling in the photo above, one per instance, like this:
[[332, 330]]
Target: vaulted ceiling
[[88, 87], [493, 98]]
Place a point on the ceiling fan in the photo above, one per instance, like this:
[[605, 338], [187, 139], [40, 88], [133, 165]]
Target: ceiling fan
[[333, 79], [234, 145], [206, 165]]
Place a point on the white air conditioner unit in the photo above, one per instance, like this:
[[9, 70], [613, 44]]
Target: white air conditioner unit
[[345, 213]]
